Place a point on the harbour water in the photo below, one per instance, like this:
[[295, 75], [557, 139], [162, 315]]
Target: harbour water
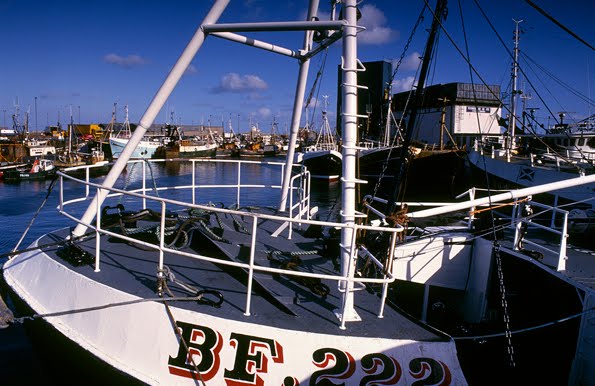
[[22, 360]]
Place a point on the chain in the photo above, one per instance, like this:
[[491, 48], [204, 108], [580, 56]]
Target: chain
[[385, 163], [293, 253], [508, 332], [420, 18]]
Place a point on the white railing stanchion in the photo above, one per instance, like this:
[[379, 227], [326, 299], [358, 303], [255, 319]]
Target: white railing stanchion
[[162, 237], [61, 194], [251, 266], [387, 272], [239, 183], [144, 183], [193, 182], [97, 233], [562, 258], [87, 190]]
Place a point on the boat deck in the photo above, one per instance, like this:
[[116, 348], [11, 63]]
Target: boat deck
[[277, 300], [579, 263]]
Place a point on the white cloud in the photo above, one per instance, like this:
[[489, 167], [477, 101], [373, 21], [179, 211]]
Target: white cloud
[[404, 84], [124, 61], [237, 83], [410, 62], [312, 105], [264, 112], [376, 30]]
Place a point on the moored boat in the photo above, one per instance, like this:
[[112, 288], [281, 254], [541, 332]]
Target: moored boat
[[145, 148], [10, 166], [323, 158], [40, 169], [180, 146]]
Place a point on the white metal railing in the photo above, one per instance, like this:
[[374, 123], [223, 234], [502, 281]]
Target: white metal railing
[[301, 210], [518, 222], [523, 223]]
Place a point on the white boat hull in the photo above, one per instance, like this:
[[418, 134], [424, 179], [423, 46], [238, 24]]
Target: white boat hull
[[138, 339], [145, 149], [524, 174], [323, 164]]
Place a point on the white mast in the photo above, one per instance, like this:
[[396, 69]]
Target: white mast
[[298, 103], [349, 124], [513, 99], [149, 116]]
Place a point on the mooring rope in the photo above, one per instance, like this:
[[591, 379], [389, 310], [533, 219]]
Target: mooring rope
[[178, 333], [43, 246], [37, 213], [22, 319], [505, 334]]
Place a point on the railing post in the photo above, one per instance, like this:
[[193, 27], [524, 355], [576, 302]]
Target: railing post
[[97, 233], [517, 225], [239, 182], [290, 193], [388, 271], [251, 269], [62, 194], [562, 258], [193, 182], [472, 209], [161, 240], [144, 184], [87, 184]]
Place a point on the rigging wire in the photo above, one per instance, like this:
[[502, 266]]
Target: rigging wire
[[420, 18], [527, 329], [556, 22], [468, 55], [405, 156], [510, 54], [399, 125], [52, 184], [498, 258], [316, 87], [457, 48], [575, 92]]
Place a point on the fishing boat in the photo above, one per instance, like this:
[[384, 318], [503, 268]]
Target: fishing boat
[[146, 148], [524, 160], [21, 146], [252, 144], [10, 166], [570, 144], [39, 147], [323, 158], [40, 169], [274, 143], [252, 148], [69, 156], [180, 146], [171, 291], [229, 144]]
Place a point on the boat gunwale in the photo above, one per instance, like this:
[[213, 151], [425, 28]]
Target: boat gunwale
[[257, 218]]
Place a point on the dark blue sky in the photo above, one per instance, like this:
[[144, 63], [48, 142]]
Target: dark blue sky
[[88, 55]]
